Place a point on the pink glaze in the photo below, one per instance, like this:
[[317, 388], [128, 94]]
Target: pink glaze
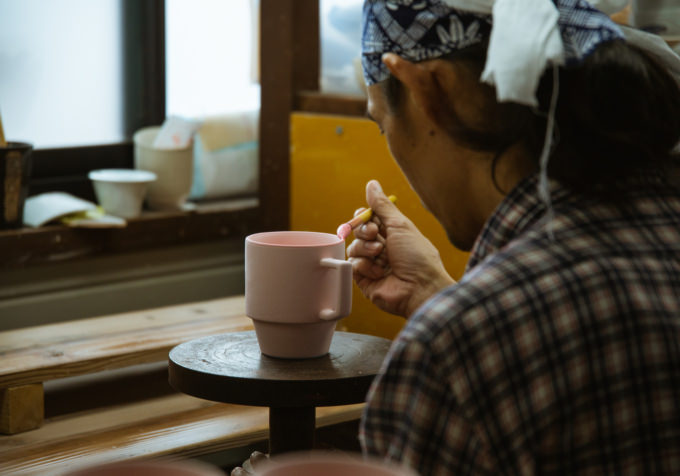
[[315, 462], [344, 231], [303, 239], [150, 468]]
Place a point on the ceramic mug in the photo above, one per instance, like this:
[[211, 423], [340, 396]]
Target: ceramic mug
[[316, 463], [150, 468], [298, 284]]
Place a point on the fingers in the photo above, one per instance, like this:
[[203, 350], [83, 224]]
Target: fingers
[[367, 268], [367, 231], [249, 465], [257, 458], [365, 248], [380, 203]]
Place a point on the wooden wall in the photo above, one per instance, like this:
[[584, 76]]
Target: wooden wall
[[332, 158]]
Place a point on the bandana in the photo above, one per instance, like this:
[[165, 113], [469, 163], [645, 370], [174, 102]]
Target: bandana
[[524, 36]]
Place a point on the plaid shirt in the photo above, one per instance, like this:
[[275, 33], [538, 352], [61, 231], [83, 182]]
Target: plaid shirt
[[550, 355]]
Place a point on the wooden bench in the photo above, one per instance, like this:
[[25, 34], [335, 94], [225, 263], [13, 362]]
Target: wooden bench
[[160, 423]]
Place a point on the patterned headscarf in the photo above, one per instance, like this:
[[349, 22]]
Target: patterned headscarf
[[525, 36]]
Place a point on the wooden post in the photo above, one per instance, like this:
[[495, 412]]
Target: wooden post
[[289, 63], [291, 429], [22, 408]]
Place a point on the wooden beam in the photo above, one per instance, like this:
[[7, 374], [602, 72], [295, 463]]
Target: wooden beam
[[40, 353], [289, 62], [336, 104], [21, 408], [234, 218], [170, 426]]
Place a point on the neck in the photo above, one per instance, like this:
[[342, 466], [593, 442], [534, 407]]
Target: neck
[[487, 182]]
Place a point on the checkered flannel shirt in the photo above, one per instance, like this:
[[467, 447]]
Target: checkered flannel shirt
[[550, 355]]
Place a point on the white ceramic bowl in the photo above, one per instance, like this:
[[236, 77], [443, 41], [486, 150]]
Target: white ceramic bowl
[[121, 192]]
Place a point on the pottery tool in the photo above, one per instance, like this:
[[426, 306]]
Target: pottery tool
[[3, 142], [346, 228]]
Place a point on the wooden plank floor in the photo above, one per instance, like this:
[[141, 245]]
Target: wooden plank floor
[[77, 435], [36, 354], [177, 425]]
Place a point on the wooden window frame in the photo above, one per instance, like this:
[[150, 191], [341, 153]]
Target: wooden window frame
[[289, 70]]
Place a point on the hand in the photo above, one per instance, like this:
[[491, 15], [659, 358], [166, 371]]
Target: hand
[[394, 265], [249, 465]]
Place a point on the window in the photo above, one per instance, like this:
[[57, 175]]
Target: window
[[80, 76], [62, 73], [340, 28], [209, 57]]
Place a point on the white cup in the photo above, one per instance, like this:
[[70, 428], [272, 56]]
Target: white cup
[[173, 167], [121, 192]]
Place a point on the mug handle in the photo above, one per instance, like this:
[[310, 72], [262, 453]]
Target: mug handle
[[344, 302]]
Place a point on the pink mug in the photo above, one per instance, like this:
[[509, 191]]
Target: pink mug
[[298, 284], [150, 468], [321, 463]]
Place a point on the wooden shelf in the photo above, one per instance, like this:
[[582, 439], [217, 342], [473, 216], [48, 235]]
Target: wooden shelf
[[209, 221], [324, 103]]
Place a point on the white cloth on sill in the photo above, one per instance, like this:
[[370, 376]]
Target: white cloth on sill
[[226, 156]]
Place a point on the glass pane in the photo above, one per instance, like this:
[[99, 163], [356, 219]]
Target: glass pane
[[61, 82], [341, 46], [208, 57]]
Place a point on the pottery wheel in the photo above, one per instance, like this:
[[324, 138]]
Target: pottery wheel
[[230, 368]]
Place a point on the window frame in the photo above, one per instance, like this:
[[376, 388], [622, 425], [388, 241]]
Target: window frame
[[289, 70]]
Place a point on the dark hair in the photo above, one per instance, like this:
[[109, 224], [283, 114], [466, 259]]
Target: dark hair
[[617, 119]]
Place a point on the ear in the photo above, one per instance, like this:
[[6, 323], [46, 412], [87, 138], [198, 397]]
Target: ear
[[423, 81]]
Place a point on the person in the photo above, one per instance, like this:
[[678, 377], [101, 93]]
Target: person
[[558, 351]]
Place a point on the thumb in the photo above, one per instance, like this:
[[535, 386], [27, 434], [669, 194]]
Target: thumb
[[379, 202]]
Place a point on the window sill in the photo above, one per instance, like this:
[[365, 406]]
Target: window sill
[[209, 221]]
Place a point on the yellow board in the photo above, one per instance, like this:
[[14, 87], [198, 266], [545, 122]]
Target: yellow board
[[332, 159]]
